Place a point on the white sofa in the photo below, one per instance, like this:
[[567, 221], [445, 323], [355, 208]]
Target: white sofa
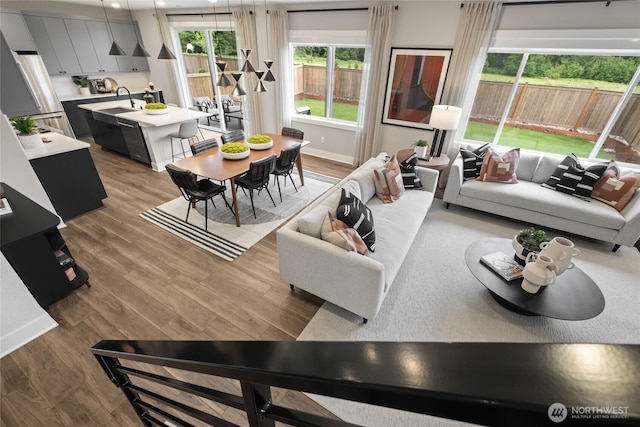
[[352, 281], [530, 202]]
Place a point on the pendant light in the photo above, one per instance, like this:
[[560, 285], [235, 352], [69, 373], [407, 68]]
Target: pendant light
[[223, 81], [115, 49], [268, 77], [139, 49], [165, 53]]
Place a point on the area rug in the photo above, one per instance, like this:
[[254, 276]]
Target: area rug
[[436, 298], [223, 238]]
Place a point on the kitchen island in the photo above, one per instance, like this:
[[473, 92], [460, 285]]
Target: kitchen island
[[154, 129]]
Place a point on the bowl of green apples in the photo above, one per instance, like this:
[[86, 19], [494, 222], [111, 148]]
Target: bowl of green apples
[[234, 151], [259, 142], [156, 108]]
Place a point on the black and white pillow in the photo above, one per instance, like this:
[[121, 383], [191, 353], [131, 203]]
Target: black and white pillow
[[579, 182], [408, 169], [358, 216], [561, 169], [472, 161]]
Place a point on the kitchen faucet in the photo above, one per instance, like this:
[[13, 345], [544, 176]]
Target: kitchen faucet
[[133, 105]]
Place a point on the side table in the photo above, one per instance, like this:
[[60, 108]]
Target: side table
[[437, 163]]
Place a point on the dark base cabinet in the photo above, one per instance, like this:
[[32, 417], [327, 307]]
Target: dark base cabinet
[[71, 181], [32, 244]]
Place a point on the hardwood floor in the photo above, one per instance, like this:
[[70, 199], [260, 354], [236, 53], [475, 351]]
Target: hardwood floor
[[146, 284]]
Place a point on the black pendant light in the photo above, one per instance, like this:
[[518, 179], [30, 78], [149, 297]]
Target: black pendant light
[[165, 53], [139, 49], [223, 81], [115, 49], [268, 77]]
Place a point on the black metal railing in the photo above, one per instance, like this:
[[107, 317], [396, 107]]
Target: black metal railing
[[501, 384]]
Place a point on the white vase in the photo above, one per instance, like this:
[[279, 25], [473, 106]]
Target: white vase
[[31, 141], [538, 273], [84, 91], [562, 251], [421, 151]]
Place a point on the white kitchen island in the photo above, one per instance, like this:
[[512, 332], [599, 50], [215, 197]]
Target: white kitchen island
[[155, 128]]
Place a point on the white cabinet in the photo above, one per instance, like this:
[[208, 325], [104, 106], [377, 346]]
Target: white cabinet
[[125, 36], [16, 32], [101, 41], [53, 44]]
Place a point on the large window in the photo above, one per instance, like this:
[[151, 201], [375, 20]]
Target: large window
[[585, 104], [327, 80]]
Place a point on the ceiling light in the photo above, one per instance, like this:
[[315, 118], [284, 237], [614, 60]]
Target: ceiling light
[[115, 5], [212, 1], [115, 49], [139, 50], [160, 3], [165, 53]]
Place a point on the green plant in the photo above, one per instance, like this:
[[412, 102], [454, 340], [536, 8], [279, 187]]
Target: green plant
[[202, 70], [531, 238], [82, 81], [155, 106], [420, 143], [25, 125], [234, 147]]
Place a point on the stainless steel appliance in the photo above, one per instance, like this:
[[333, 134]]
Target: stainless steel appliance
[[52, 114]]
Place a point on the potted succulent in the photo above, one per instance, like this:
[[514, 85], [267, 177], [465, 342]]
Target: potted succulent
[[421, 148], [526, 241], [25, 126], [83, 83]]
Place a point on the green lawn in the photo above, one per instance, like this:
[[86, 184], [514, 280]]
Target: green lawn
[[577, 83], [532, 140], [340, 111]]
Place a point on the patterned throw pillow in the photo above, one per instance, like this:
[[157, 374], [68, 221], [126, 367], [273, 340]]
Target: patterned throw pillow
[[388, 181], [358, 216], [554, 179], [613, 190], [497, 168], [340, 234], [472, 161], [408, 169], [579, 182]]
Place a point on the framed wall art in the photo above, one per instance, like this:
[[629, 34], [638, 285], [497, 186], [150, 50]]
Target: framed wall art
[[414, 85]]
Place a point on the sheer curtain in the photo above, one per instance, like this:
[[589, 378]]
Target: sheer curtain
[[279, 26], [246, 32], [476, 27], [182, 93], [372, 92]]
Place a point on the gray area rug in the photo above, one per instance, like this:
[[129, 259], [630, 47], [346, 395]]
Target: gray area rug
[[436, 298], [223, 238]]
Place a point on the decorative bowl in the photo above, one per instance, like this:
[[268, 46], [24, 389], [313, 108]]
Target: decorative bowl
[[259, 146], [235, 156], [156, 112]]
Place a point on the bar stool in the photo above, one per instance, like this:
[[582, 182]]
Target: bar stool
[[186, 131]]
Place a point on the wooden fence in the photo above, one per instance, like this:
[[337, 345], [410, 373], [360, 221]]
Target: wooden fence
[[585, 110], [310, 82], [200, 83]]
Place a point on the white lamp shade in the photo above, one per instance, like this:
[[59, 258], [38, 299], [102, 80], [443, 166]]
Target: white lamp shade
[[445, 117]]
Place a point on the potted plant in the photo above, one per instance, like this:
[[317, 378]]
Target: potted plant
[[25, 126], [421, 148], [526, 241], [83, 83]]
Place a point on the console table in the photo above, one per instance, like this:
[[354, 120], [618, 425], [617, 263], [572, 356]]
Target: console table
[[437, 163]]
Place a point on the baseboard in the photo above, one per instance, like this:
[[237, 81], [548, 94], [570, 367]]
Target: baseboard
[[26, 333], [328, 155]]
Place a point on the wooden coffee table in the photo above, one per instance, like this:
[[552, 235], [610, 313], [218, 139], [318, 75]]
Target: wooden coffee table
[[574, 295]]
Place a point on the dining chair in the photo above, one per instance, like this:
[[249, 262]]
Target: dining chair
[[257, 178], [292, 132], [200, 146], [187, 131], [284, 166], [194, 190], [234, 135]]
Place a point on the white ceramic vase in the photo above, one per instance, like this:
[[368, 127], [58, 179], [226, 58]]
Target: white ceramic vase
[[561, 250], [85, 91], [421, 151], [538, 273]]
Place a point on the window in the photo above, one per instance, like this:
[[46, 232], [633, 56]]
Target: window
[[327, 80], [587, 104]]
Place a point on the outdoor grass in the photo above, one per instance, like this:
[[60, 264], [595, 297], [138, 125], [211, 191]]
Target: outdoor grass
[[341, 111], [532, 140]]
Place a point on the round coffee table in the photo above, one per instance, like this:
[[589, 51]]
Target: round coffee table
[[574, 295]]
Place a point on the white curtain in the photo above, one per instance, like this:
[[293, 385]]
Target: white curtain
[[477, 24], [279, 26], [246, 33], [172, 65], [375, 68]]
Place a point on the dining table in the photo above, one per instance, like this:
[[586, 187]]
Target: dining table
[[210, 164]]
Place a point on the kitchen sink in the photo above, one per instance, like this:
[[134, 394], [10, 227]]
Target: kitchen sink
[[116, 110], [108, 115]]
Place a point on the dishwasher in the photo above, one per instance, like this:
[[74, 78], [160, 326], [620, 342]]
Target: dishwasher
[[135, 140]]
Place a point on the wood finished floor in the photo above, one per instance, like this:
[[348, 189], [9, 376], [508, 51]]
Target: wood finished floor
[[146, 284]]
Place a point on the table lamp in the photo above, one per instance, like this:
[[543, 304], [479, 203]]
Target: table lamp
[[443, 118]]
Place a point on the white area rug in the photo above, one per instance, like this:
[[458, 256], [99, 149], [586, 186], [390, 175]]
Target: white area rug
[[223, 238], [436, 298]]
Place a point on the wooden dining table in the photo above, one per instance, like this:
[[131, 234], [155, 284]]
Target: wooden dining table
[[210, 164]]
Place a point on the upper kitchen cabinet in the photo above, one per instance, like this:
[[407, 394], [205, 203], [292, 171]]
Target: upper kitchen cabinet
[[125, 36], [16, 32], [53, 44], [17, 98], [88, 55], [101, 41]]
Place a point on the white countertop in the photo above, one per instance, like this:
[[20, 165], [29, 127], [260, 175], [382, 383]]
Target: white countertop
[[75, 97], [59, 144], [174, 116]]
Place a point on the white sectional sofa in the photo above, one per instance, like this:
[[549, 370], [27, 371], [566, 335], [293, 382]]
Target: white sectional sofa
[[528, 201], [352, 281]]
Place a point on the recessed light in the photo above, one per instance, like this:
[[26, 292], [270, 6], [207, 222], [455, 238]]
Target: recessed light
[[160, 3], [213, 1], [115, 5]]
